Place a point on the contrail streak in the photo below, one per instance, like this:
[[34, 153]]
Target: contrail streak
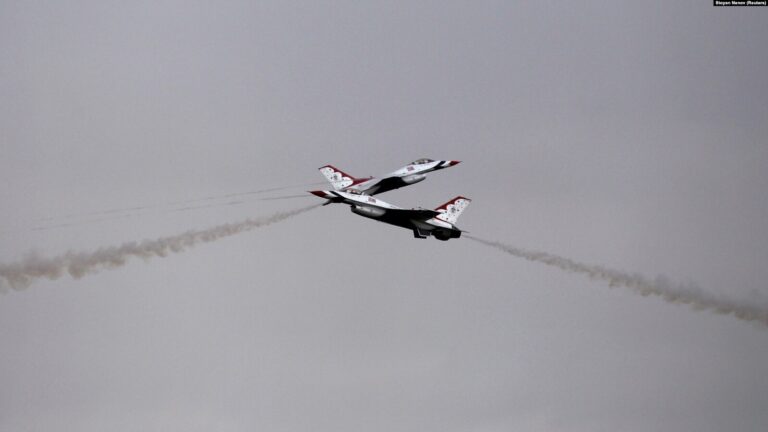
[[138, 211], [21, 274], [684, 294], [173, 203], [284, 197]]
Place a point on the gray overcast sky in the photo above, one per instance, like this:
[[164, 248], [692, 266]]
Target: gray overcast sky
[[628, 134]]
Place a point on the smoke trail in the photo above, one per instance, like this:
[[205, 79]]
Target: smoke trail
[[21, 274], [661, 287]]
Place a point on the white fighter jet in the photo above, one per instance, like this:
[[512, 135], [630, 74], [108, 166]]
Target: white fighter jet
[[407, 175], [440, 222]]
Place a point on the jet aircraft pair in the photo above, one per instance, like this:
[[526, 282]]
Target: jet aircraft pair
[[358, 194]]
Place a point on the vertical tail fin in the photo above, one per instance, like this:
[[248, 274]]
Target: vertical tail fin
[[450, 211], [338, 178]]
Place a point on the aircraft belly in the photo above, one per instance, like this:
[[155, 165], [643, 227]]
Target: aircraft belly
[[369, 211], [407, 222], [397, 220], [386, 185], [386, 217]]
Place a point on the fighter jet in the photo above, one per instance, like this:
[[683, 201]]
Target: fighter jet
[[407, 175], [439, 223]]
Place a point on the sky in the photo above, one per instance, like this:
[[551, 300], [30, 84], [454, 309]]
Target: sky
[[631, 135]]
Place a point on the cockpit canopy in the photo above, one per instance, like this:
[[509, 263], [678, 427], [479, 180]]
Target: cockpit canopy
[[421, 161]]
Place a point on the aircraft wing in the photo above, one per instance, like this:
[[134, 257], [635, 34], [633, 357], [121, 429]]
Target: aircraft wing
[[408, 175]]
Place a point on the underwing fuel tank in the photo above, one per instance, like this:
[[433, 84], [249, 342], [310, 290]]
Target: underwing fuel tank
[[371, 212], [413, 178]]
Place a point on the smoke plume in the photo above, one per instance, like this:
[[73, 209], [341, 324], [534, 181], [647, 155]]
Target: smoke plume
[[660, 286], [21, 274]]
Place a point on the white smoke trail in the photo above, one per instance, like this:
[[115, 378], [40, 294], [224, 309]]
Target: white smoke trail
[[21, 274], [661, 287]]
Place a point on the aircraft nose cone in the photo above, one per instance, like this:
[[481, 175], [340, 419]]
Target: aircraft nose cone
[[453, 162], [321, 194]]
